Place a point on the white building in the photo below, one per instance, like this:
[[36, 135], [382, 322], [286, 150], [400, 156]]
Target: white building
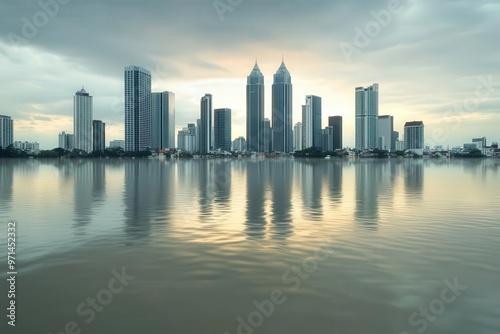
[[366, 117], [312, 133], [82, 120], [297, 137], [27, 146], [117, 144], [386, 140]]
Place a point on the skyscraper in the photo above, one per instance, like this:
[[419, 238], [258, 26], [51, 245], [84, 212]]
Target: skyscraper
[[222, 129], [336, 123], [98, 136], [137, 108], [255, 110], [414, 135], [386, 139], [206, 124], [82, 116], [268, 136], [297, 137], [163, 120], [311, 122], [6, 131], [366, 117], [282, 110]]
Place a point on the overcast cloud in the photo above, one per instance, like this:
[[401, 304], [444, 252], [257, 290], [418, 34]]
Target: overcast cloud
[[428, 57]]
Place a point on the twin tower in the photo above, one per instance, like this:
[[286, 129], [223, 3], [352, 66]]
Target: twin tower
[[260, 137]]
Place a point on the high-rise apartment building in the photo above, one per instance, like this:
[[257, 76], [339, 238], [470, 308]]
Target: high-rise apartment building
[[98, 136], [366, 117], [163, 120], [6, 131], [312, 133], [414, 135], [205, 138], [222, 129], [282, 111], [137, 108], [82, 116], [297, 137], [386, 139], [255, 111]]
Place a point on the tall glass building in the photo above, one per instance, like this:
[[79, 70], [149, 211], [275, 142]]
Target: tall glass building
[[98, 135], [205, 138], [163, 120], [222, 129], [255, 111], [367, 117], [282, 111], [312, 134], [82, 120], [137, 108]]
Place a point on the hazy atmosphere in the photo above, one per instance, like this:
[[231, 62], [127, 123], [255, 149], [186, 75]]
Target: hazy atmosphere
[[435, 61]]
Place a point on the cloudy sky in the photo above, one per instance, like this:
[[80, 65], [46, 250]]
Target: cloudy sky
[[435, 61]]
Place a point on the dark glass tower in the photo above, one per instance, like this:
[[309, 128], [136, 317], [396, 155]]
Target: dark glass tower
[[282, 111], [255, 110], [222, 129]]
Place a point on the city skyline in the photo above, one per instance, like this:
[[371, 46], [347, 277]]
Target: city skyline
[[457, 94]]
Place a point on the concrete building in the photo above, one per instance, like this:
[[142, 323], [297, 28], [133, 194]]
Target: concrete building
[[83, 115], [366, 117], [386, 140], [117, 144], [414, 135], [6, 131], [297, 137], [239, 144], [66, 141], [27, 146]]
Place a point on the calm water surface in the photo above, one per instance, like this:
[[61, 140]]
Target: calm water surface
[[253, 246]]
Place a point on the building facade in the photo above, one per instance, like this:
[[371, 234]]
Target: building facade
[[222, 129], [297, 137], [98, 136], [82, 125], [386, 139], [162, 120], [282, 111], [6, 131], [137, 109], [336, 123], [255, 111], [414, 135], [312, 133], [367, 117], [205, 131], [117, 144]]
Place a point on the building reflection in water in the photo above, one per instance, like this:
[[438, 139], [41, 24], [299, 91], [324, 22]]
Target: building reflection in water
[[89, 179], [367, 172], [281, 179], [312, 187], [255, 225], [6, 184], [147, 196], [333, 174], [414, 177]]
